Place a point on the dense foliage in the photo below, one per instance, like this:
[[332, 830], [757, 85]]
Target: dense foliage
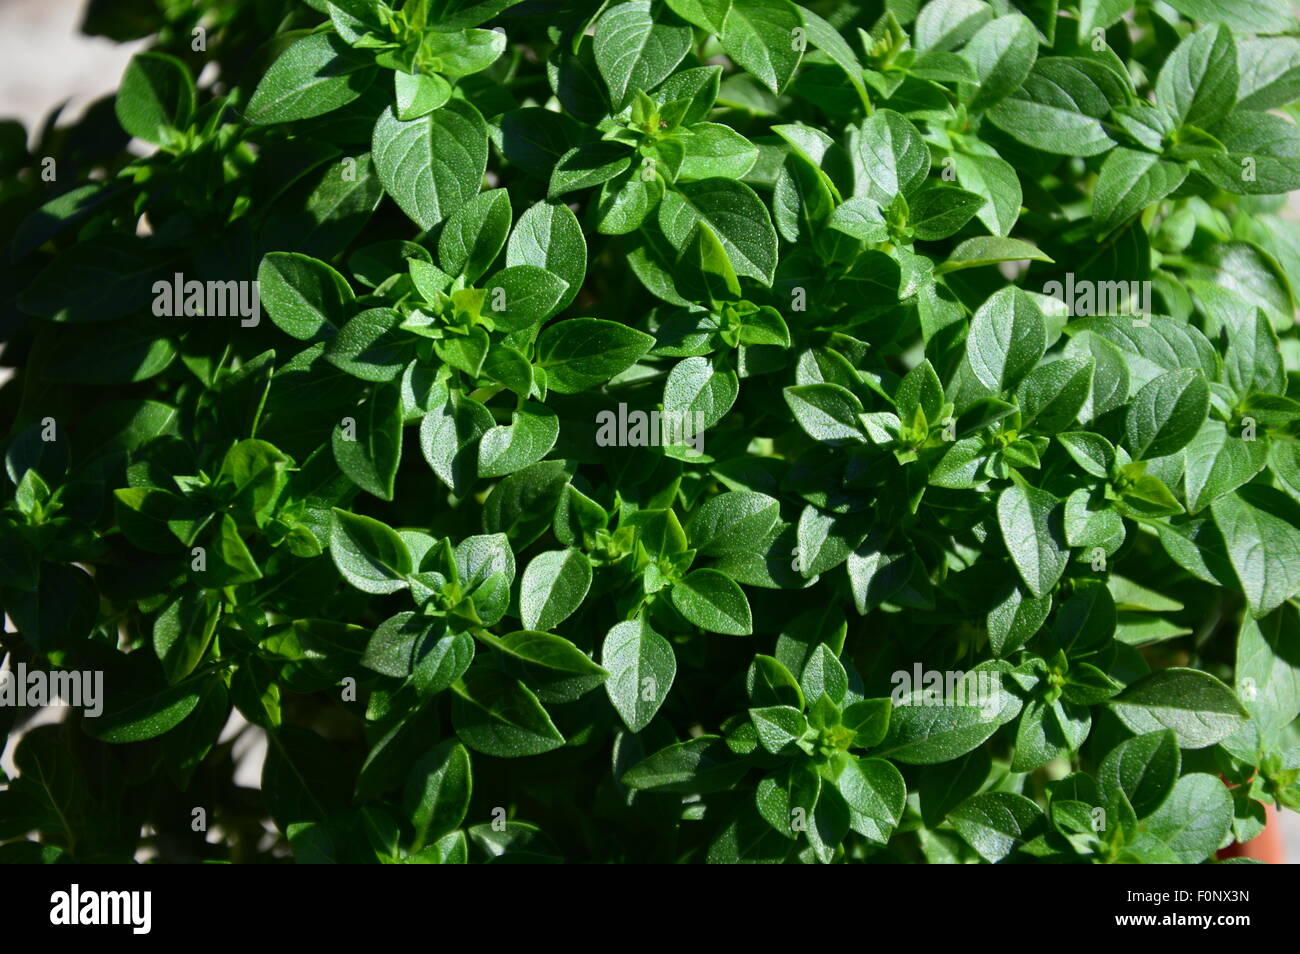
[[949, 539]]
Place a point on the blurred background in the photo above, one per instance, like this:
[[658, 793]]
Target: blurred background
[[48, 60], [45, 61]]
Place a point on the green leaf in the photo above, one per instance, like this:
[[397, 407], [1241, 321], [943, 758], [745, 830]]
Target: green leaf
[[1199, 79], [183, 631], [97, 280], [996, 823], [1242, 15], [1268, 71], [419, 94], [697, 86], [1084, 623], [1261, 155], [580, 353], [483, 561], [305, 297], [557, 669], [370, 346], [421, 648], [826, 412], [369, 554], [698, 395], [922, 734], [825, 540], [961, 465], [735, 214], [1003, 52], [1030, 522], [769, 683], [436, 797], [869, 720], [530, 436], [1267, 675], [497, 715], [1216, 463], [889, 157], [701, 765], [474, 234], [717, 279], [449, 437], [1092, 452], [58, 214], [947, 24], [1142, 770], [521, 296], [1198, 708], [945, 786], [1148, 349], [1060, 106], [1259, 527], [758, 36], [1051, 396], [1007, 337], [317, 74], [941, 210], [626, 201], [369, 449], [465, 352], [879, 575], [156, 99], [1252, 362], [921, 390], [734, 521], [433, 165], [861, 218], [1129, 182], [588, 164], [713, 602], [301, 780], [323, 212], [548, 236], [108, 354], [553, 586], [1166, 414], [716, 150], [140, 715], [464, 52], [1048, 731], [642, 667], [995, 180], [977, 252], [1015, 618], [228, 561], [660, 532], [634, 50], [1193, 821], [779, 728], [788, 796], [1099, 14], [256, 694], [823, 677], [522, 506]]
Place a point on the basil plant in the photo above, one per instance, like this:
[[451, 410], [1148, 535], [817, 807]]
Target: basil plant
[[655, 431]]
